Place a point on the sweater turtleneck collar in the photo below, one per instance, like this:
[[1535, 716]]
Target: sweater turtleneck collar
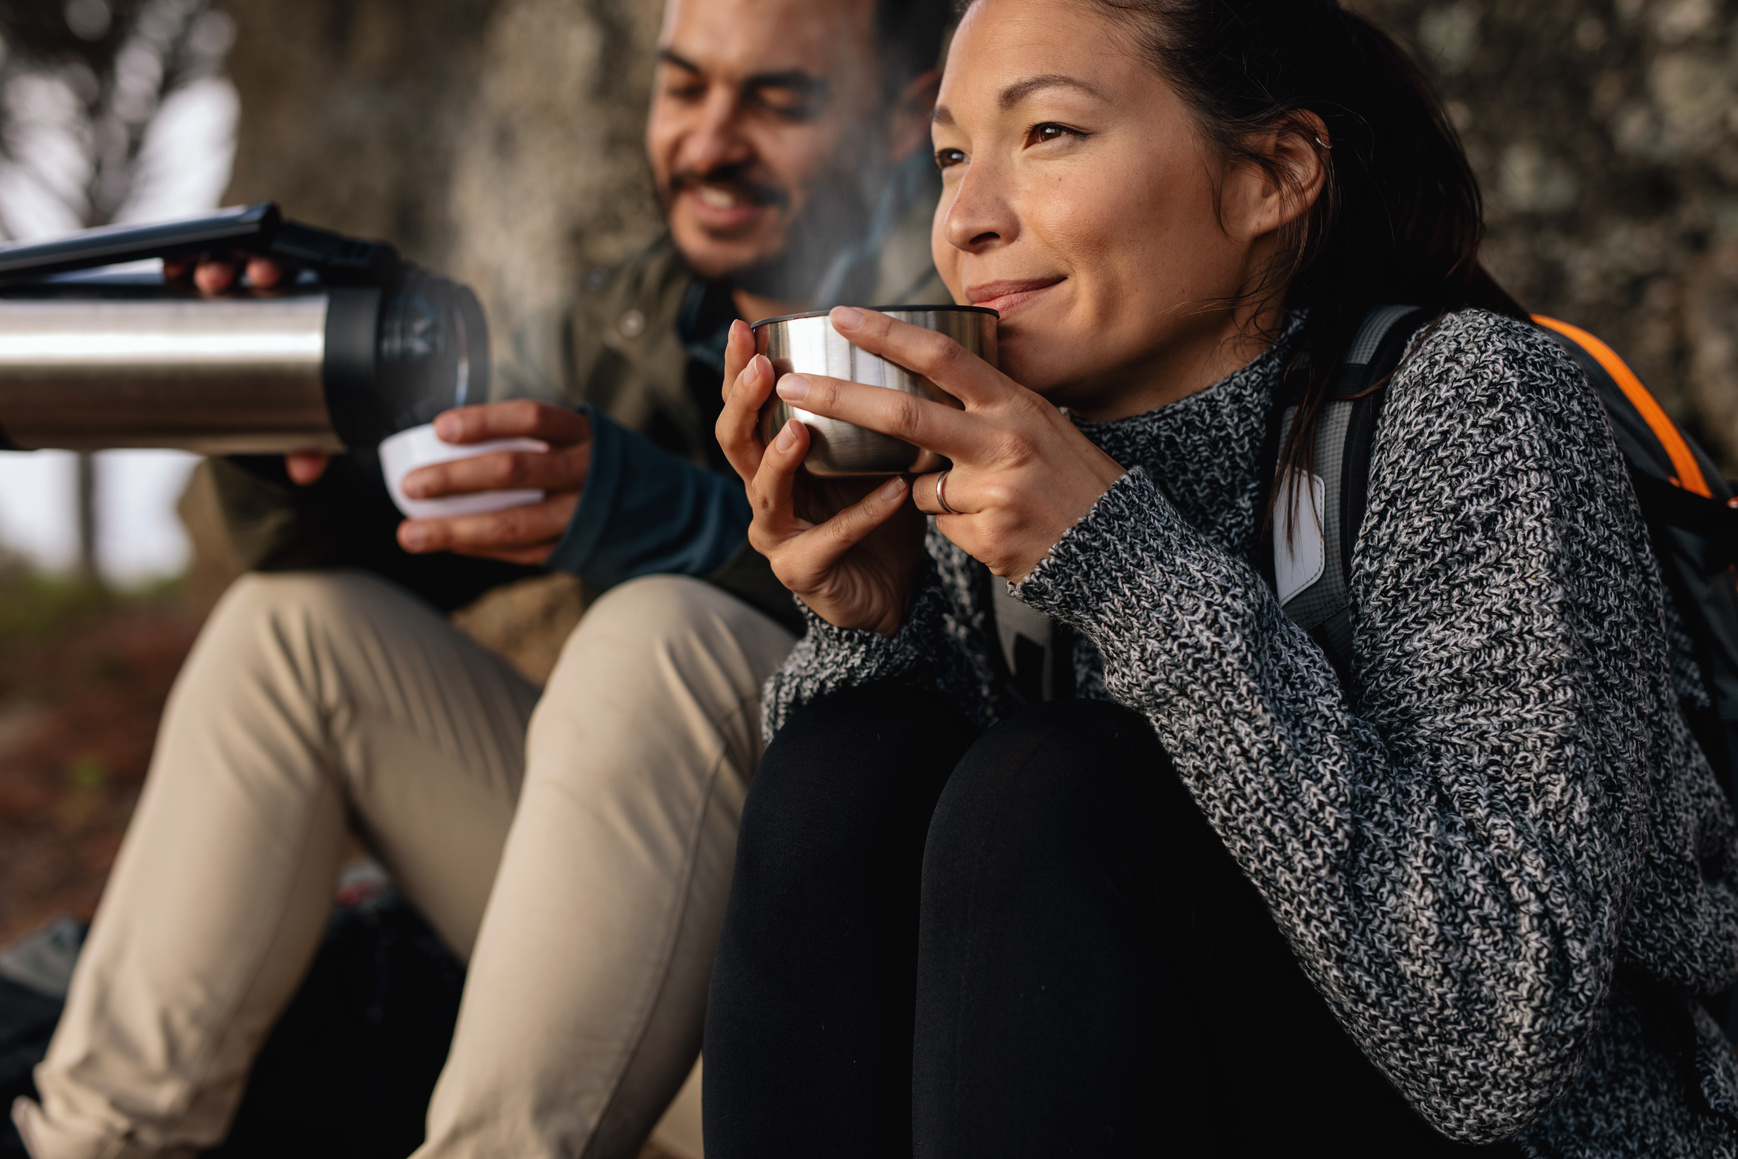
[[1204, 450]]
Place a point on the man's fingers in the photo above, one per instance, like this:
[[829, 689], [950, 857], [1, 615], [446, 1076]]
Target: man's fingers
[[738, 426], [305, 467], [214, 277], [517, 419], [263, 273], [553, 470], [935, 356], [524, 556], [515, 529], [807, 560], [931, 425]]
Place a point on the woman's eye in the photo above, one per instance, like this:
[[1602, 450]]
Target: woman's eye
[[1038, 134], [948, 158]]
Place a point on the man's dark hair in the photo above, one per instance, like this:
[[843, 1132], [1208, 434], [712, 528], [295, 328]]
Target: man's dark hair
[[910, 34]]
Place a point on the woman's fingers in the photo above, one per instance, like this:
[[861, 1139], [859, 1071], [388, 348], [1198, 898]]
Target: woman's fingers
[[772, 490], [738, 426], [810, 556], [929, 353], [931, 425], [738, 349], [927, 495]]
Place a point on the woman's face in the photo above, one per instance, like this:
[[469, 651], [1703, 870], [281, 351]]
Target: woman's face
[[1078, 202]]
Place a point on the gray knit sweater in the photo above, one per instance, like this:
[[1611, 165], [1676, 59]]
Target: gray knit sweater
[[1499, 855]]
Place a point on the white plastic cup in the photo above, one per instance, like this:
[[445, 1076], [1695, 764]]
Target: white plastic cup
[[416, 447]]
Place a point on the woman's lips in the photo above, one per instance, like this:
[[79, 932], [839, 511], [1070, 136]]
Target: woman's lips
[[1009, 297]]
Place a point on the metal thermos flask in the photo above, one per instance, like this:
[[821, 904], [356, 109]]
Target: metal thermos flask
[[358, 346]]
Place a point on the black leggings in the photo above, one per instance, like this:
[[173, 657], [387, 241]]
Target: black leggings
[[1028, 943]]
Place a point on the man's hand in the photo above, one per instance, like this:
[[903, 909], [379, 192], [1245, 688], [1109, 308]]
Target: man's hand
[[525, 534], [214, 276]]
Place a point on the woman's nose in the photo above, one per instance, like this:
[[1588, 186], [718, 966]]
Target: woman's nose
[[979, 216]]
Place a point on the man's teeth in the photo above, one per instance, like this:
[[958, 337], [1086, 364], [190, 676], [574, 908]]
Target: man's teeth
[[718, 198]]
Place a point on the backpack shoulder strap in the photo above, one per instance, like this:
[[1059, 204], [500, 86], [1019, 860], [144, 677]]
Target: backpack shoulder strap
[[1676, 483], [1646, 434], [1317, 518]]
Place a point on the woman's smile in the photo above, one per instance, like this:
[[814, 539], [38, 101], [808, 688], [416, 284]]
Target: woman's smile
[[1010, 295]]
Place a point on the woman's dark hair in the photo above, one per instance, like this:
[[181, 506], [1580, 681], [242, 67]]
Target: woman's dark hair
[[1399, 218], [910, 34]]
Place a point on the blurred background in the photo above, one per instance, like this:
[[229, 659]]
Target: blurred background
[[498, 141]]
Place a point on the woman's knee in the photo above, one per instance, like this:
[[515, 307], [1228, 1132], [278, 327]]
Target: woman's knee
[[1057, 780], [849, 779]]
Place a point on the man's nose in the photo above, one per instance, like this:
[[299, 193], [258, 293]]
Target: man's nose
[[717, 138]]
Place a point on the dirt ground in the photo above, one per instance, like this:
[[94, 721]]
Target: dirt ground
[[83, 678]]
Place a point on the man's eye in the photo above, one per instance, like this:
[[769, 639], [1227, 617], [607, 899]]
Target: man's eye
[[948, 158], [787, 105], [686, 91]]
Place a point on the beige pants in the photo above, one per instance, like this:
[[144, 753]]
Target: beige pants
[[576, 848]]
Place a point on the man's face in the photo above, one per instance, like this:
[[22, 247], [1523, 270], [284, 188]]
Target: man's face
[[765, 126]]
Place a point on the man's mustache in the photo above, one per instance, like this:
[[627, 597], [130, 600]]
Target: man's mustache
[[731, 178]]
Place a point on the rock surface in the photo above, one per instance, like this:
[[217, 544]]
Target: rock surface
[[1605, 134]]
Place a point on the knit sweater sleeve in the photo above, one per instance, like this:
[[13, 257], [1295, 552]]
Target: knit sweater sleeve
[[1450, 862], [933, 649]]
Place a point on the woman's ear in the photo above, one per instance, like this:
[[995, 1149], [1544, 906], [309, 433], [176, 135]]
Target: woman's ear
[[908, 116], [1262, 197]]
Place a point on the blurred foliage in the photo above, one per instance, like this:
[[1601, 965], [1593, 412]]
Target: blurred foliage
[[81, 85], [35, 606], [84, 673]]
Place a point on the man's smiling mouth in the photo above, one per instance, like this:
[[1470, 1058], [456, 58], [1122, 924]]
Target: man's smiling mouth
[[719, 196]]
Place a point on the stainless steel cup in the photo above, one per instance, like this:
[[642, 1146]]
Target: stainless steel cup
[[808, 344]]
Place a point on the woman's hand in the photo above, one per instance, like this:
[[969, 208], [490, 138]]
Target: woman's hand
[[850, 549], [1022, 474]]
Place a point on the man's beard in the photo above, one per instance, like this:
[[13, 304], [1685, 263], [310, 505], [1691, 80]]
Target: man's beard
[[837, 213]]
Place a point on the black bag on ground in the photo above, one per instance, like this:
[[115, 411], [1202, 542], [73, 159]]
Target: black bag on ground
[[347, 1071], [350, 1066]]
